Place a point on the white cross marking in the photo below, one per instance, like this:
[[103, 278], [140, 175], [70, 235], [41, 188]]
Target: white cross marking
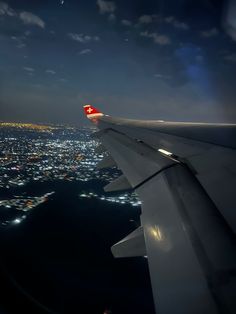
[[89, 110]]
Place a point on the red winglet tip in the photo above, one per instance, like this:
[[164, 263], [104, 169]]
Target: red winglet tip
[[92, 112]]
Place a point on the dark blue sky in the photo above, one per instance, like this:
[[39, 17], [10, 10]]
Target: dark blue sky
[[171, 60]]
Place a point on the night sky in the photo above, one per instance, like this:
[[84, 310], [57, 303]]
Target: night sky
[[171, 60]]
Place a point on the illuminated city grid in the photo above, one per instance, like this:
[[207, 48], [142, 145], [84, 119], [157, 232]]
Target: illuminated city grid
[[29, 126], [65, 154], [125, 198], [37, 153], [23, 205]]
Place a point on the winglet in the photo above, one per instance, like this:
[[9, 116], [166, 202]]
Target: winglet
[[91, 112]]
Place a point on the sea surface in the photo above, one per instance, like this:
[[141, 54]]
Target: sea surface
[[59, 257]]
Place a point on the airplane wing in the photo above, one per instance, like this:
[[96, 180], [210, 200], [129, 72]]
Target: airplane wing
[[185, 176]]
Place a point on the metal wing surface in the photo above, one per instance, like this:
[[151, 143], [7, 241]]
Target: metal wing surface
[[185, 176]]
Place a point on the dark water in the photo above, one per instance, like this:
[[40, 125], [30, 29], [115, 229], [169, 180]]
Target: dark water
[[59, 257]]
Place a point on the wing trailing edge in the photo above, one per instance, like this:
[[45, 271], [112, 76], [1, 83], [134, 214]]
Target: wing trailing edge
[[119, 184], [133, 245]]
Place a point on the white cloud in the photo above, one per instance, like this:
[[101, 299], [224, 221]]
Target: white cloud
[[28, 33], [159, 39], [126, 23], [106, 6], [162, 76], [177, 24], [82, 38], [229, 21], [148, 19], [50, 72], [169, 19], [25, 17], [29, 69], [21, 45], [5, 9], [19, 41], [210, 33], [199, 58], [231, 57], [181, 25], [85, 51], [145, 19], [63, 80], [30, 18], [111, 17], [158, 75]]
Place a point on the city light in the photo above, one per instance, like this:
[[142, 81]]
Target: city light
[[17, 221], [31, 153]]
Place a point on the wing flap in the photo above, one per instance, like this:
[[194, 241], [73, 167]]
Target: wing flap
[[119, 184], [106, 162], [137, 160], [131, 246]]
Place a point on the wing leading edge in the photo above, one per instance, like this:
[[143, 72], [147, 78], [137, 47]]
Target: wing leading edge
[[186, 232]]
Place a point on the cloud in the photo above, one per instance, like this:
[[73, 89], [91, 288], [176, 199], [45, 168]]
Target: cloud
[[181, 25], [210, 33], [21, 45], [25, 17], [63, 80], [50, 72], [157, 38], [106, 6], [32, 19], [126, 22], [169, 19], [148, 19], [82, 38], [85, 52], [231, 57], [229, 20], [28, 69], [161, 39], [177, 24], [19, 41], [162, 76], [111, 17], [28, 33], [145, 19], [5, 9]]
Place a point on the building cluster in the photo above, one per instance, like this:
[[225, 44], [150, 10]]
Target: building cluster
[[20, 206], [62, 154], [124, 198], [31, 153]]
